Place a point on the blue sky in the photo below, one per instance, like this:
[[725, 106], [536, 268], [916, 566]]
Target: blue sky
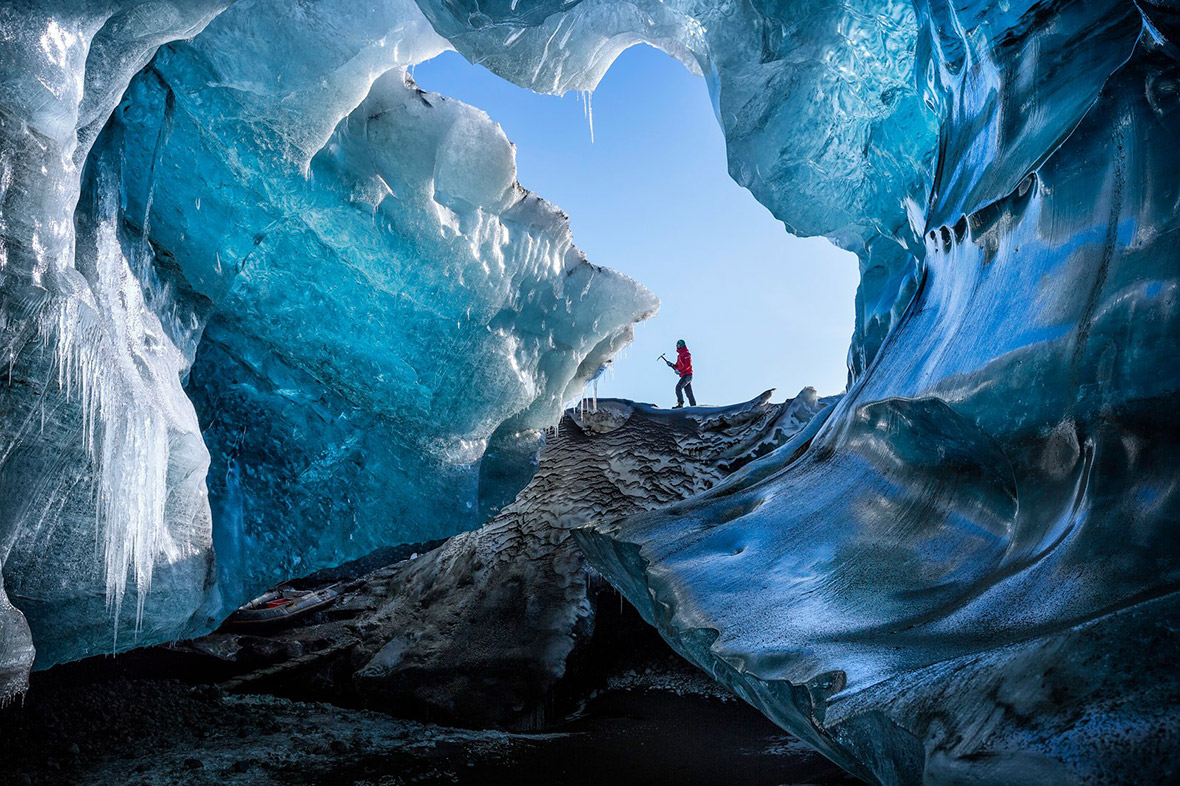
[[651, 197]]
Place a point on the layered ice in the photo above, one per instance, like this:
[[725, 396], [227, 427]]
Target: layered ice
[[967, 573], [101, 460], [341, 268], [387, 295]]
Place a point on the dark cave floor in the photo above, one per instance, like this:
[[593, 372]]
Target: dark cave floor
[[629, 711], [95, 723]]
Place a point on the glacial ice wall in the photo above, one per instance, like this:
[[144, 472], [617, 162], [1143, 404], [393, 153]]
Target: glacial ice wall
[[392, 296], [101, 460], [968, 574], [342, 269]]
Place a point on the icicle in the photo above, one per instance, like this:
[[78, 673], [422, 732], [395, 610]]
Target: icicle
[[590, 113], [125, 435], [5, 184], [588, 110]]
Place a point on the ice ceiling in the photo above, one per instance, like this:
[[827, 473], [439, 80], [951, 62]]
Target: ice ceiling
[[258, 291]]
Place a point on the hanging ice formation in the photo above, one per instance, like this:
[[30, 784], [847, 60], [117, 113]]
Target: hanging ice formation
[[954, 568]]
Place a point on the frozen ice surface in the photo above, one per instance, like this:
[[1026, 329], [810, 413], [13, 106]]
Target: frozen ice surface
[[391, 303], [101, 460], [969, 573]]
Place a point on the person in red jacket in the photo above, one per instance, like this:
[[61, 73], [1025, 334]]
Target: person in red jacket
[[683, 367]]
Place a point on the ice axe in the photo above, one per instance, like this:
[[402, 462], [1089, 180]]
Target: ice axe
[[661, 357]]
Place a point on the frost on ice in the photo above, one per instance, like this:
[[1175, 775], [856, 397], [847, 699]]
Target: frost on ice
[[101, 459]]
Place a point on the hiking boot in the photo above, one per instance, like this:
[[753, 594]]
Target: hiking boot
[[678, 406]]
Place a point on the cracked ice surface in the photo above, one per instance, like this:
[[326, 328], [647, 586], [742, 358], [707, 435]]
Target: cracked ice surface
[[344, 268]]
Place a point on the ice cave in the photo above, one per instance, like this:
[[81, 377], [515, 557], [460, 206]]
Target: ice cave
[[276, 319]]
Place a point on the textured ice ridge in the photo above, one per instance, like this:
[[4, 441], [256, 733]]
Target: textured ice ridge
[[482, 628]]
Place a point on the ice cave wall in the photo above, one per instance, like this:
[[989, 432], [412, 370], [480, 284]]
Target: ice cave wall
[[969, 572], [958, 556], [101, 460], [392, 295], [234, 232], [343, 268]]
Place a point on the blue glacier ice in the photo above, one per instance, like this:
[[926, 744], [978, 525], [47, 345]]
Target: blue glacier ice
[[823, 119], [102, 465], [440, 305], [341, 268], [965, 572]]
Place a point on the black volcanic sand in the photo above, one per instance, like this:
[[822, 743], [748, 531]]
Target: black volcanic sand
[[630, 711], [95, 723]]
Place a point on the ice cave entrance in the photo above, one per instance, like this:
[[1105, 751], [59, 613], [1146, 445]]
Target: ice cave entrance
[[640, 168]]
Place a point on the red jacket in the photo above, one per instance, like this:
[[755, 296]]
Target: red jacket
[[683, 364]]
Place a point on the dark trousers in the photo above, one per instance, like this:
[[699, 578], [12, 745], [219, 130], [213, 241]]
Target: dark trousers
[[685, 386]]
